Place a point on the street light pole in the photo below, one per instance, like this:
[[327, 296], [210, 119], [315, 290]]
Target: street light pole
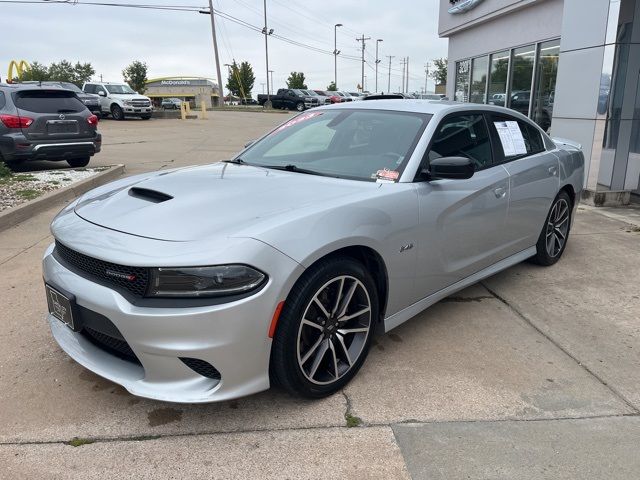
[[336, 52], [377, 62], [389, 81]]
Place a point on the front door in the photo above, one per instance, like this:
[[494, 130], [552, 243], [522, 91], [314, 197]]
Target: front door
[[461, 221]]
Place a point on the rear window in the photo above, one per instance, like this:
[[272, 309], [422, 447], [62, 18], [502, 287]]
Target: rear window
[[48, 101]]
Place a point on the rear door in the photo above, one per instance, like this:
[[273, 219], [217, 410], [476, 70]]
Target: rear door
[[534, 178], [56, 115], [461, 221]]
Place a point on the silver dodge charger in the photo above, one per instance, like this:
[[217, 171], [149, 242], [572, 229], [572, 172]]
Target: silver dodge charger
[[279, 266]]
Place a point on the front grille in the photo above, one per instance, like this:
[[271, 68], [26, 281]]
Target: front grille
[[201, 367], [140, 103], [116, 276], [113, 345]]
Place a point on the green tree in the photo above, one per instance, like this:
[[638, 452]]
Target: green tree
[[439, 73], [241, 79], [296, 80], [332, 87], [63, 71], [136, 75]]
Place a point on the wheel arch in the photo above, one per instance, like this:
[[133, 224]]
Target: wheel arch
[[372, 261], [570, 191]]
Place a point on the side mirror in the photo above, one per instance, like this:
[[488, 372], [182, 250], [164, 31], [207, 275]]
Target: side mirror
[[249, 143], [455, 168], [101, 93]]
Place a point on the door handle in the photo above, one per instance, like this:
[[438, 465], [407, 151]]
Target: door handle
[[553, 170], [500, 192]]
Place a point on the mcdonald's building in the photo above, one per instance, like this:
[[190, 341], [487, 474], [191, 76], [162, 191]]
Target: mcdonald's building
[[197, 90]]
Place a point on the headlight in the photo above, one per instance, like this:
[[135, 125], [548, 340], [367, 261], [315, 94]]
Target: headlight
[[128, 102], [204, 281]]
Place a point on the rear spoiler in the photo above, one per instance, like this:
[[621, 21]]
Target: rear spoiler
[[565, 144]]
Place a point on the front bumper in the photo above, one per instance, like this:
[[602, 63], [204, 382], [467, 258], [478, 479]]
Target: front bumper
[[232, 337], [130, 109]]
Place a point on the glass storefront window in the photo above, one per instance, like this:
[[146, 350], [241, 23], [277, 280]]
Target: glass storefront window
[[462, 81], [523, 60], [547, 73], [479, 69], [498, 78]]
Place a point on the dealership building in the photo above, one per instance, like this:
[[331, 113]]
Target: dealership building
[[196, 90], [573, 66]]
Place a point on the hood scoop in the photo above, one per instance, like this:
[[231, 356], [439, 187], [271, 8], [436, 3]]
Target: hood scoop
[[149, 195]]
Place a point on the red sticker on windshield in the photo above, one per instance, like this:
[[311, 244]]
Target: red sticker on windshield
[[386, 174], [294, 121]]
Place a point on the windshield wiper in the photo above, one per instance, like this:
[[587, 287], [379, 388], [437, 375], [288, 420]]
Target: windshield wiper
[[236, 161], [294, 168]]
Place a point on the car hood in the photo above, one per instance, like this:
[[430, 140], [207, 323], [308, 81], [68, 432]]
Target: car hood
[[217, 200]]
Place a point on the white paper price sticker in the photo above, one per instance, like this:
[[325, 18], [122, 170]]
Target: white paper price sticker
[[511, 138]]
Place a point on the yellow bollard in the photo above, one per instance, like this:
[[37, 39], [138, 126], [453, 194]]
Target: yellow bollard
[[183, 111], [204, 111], [188, 105]]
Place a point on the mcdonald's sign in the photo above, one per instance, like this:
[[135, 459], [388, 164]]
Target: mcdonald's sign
[[20, 68]]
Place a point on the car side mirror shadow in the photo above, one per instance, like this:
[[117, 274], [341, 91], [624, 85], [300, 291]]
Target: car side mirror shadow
[[453, 168]]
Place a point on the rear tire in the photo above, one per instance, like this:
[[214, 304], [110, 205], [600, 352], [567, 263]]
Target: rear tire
[[325, 328], [116, 112], [79, 162], [555, 232]]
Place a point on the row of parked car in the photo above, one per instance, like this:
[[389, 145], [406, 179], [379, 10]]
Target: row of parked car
[[302, 99]]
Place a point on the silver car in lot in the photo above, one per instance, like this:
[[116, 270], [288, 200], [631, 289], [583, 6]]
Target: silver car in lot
[[209, 283]]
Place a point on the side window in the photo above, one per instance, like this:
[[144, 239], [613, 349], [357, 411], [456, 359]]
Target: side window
[[515, 138], [2, 100], [463, 136], [88, 88]]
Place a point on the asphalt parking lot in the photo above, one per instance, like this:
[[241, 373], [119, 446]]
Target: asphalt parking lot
[[533, 374]]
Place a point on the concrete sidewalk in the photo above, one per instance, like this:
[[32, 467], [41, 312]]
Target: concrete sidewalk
[[533, 374]]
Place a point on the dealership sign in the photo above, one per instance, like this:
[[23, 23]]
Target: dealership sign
[[461, 6]]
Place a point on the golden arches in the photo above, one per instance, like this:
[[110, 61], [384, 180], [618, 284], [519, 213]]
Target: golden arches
[[20, 67]]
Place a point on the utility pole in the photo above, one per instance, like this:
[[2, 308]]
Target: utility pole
[[407, 89], [215, 51], [271, 73], [404, 64], [377, 62], [266, 50], [336, 52], [389, 81], [363, 39], [426, 76]]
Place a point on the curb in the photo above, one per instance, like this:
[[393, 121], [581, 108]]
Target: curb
[[22, 212]]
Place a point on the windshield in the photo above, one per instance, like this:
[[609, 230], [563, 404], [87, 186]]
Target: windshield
[[121, 89], [355, 144]]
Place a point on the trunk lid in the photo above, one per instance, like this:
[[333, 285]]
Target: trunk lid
[[56, 115]]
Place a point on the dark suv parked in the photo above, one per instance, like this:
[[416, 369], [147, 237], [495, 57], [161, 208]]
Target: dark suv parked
[[41, 123]]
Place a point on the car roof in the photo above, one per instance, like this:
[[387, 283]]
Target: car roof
[[28, 86], [432, 107]]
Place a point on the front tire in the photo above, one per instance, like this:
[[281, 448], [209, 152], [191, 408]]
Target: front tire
[[116, 112], [299, 106], [145, 117], [325, 329], [78, 162], [555, 232]]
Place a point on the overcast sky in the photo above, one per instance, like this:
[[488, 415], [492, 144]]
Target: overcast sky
[[179, 43]]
